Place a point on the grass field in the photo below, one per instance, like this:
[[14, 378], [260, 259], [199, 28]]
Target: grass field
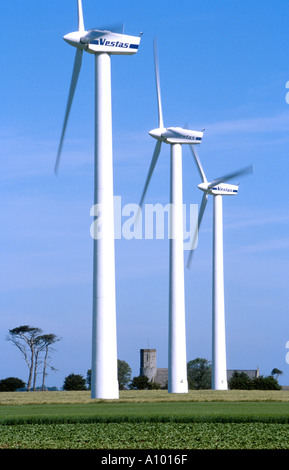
[[145, 420]]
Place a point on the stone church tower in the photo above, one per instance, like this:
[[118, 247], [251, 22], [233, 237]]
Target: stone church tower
[[148, 367], [148, 363]]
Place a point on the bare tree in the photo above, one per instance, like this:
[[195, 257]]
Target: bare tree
[[32, 343], [25, 339], [47, 341], [36, 362]]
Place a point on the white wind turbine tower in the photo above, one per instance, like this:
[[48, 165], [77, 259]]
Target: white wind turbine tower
[[217, 188], [175, 136], [104, 382]]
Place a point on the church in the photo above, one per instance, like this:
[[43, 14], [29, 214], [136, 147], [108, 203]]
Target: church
[[148, 367]]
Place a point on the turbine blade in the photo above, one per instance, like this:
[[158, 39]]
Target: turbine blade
[[151, 169], [229, 176], [75, 75], [161, 122], [80, 16], [200, 168], [200, 217]]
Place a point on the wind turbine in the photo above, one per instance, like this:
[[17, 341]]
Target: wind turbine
[[217, 188], [104, 382], [175, 136]]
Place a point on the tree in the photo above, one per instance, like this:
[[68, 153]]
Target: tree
[[142, 382], [25, 339], [11, 384], [46, 342], [124, 374], [31, 342], [276, 372], [265, 383], [199, 374], [74, 382], [240, 381]]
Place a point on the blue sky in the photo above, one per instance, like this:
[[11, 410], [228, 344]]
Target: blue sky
[[223, 67]]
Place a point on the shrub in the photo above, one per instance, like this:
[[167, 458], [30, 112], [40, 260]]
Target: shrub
[[142, 383], [241, 381], [266, 383], [74, 382], [11, 384]]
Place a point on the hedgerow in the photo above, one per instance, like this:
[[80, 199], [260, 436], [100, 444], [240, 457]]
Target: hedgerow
[[36, 420]]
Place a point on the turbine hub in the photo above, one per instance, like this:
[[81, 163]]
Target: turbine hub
[[203, 187], [74, 39], [157, 133]]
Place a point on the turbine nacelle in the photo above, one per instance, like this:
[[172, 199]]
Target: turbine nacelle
[[222, 189], [96, 41], [176, 135]]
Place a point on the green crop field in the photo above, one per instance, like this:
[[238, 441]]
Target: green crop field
[[145, 420]]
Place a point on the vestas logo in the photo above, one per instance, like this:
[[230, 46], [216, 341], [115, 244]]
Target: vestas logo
[[105, 42], [220, 188], [192, 137]]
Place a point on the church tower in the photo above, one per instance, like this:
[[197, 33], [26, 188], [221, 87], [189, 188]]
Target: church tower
[[148, 363]]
